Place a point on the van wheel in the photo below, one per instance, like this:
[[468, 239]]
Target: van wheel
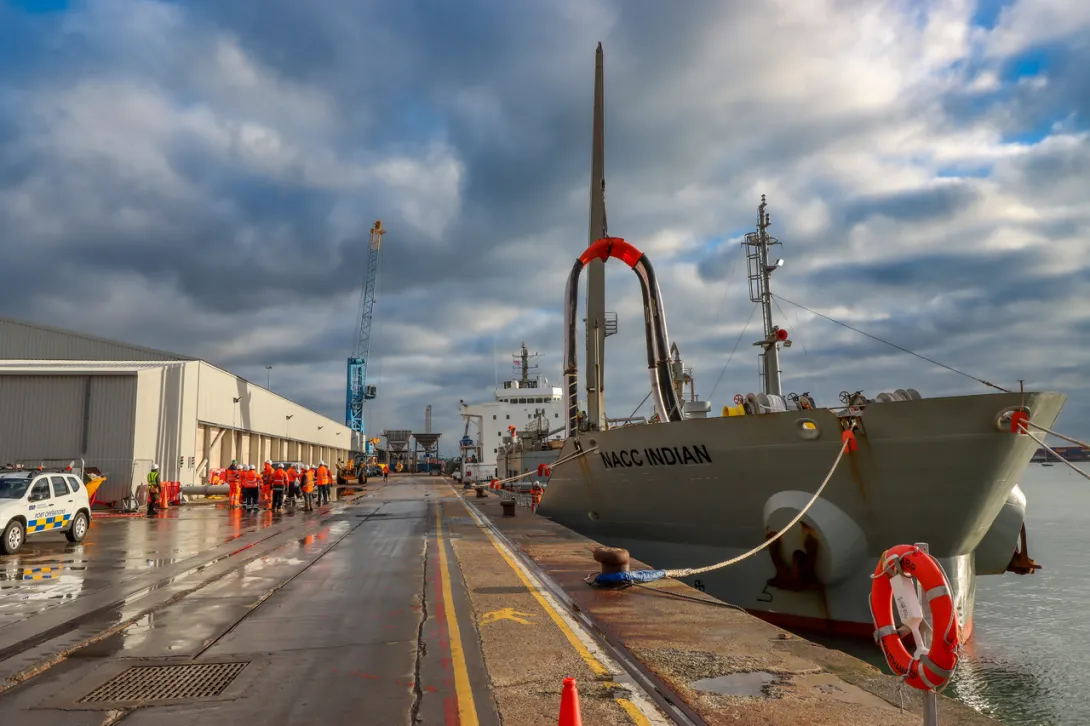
[[14, 536], [78, 530]]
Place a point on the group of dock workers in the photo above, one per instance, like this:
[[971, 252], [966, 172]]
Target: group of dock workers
[[249, 490]]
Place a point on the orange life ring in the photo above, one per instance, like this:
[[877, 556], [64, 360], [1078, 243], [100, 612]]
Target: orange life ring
[[933, 669]]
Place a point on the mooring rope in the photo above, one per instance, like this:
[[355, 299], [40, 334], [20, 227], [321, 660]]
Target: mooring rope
[[555, 464], [637, 576], [726, 563], [1049, 449], [1057, 435]]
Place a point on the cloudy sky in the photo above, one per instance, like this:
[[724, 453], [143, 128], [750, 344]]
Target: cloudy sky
[[200, 177]]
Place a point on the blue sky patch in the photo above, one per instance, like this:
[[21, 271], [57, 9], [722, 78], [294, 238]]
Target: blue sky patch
[[1031, 63], [987, 12], [40, 6], [963, 172]]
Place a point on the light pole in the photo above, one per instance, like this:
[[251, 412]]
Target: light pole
[[268, 377], [287, 432]]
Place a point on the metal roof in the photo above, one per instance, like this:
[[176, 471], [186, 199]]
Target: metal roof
[[22, 340], [80, 366]]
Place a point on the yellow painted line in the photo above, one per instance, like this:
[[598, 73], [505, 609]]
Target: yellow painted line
[[467, 711], [593, 663], [633, 713]]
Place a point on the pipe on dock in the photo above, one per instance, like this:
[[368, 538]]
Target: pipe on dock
[[206, 489]]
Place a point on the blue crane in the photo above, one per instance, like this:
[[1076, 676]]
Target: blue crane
[[358, 390]]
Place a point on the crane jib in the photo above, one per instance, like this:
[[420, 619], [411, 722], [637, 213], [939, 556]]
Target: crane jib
[[357, 389]]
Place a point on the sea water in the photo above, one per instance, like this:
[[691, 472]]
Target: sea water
[[1027, 663]]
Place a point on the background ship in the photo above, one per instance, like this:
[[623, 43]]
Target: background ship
[[498, 433], [689, 490]]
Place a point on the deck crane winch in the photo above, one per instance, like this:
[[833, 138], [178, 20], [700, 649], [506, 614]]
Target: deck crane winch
[[358, 390]]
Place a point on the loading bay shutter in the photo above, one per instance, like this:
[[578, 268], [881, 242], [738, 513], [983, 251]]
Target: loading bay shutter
[[65, 417]]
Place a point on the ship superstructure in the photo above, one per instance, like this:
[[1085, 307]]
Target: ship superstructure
[[525, 401]]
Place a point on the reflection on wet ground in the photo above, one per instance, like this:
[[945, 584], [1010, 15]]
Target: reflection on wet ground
[[50, 571]]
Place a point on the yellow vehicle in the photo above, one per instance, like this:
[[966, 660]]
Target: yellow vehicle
[[92, 481]]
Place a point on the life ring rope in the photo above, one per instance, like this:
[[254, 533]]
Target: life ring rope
[[916, 669]]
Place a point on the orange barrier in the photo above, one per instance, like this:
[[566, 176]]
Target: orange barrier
[[170, 492]]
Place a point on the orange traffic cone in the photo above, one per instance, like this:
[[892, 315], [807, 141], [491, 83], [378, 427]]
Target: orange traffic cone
[[569, 705]]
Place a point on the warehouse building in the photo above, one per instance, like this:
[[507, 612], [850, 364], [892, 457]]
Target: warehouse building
[[67, 396]]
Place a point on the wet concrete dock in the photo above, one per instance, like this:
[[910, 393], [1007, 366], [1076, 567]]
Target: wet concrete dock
[[395, 607]]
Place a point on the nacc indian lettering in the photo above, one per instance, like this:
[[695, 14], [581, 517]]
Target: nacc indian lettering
[[656, 456]]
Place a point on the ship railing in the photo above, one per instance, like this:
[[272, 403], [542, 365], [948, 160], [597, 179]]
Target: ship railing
[[521, 499], [630, 421]]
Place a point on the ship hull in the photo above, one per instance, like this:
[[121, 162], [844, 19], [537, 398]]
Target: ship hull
[[696, 492]]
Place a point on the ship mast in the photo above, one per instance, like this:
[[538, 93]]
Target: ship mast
[[523, 364], [596, 270], [757, 246]]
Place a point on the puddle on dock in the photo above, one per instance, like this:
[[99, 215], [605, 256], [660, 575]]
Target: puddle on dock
[[750, 685]]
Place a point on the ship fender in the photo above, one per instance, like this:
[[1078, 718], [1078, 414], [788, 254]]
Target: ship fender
[[828, 540], [995, 550]]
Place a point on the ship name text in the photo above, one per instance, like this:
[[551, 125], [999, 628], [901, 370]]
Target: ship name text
[[656, 456]]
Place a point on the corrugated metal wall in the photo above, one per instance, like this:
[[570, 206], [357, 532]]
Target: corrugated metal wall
[[66, 417], [24, 341], [111, 428], [42, 416]]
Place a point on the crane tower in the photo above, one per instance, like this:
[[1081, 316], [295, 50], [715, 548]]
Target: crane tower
[[358, 390]]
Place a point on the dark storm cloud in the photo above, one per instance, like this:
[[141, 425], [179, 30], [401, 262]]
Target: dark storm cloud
[[917, 205]]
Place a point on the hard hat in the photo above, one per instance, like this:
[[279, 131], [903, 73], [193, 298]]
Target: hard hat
[[321, 462], [253, 468], [268, 461], [154, 467], [279, 466]]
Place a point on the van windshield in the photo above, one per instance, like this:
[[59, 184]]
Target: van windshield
[[13, 487]]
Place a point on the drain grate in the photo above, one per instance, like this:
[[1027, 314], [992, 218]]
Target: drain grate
[[167, 682]]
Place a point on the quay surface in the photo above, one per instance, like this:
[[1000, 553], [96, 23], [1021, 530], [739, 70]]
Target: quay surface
[[399, 605]]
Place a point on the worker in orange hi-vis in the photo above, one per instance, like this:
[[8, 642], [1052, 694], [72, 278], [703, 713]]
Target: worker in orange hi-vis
[[324, 480], [234, 481], [266, 485], [535, 496], [309, 477], [279, 484], [293, 475], [250, 484]]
